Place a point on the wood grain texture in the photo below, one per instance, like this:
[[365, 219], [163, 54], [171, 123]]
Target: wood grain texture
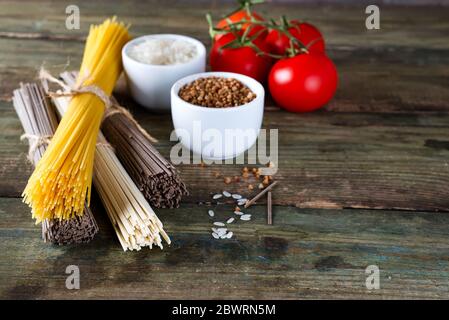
[[305, 254], [341, 25], [401, 68], [382, 144], [351, 160]]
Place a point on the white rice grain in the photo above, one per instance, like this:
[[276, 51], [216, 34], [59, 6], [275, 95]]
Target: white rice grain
[[156, 51], [219, 224], [221, 231], [242, 201]]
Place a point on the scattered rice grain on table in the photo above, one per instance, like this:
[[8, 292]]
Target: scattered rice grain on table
[[242, 201]]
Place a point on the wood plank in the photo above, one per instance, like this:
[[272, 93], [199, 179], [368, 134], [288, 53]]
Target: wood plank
[[401, 68], [341, 25], [348, 160], [370, 81], [383, 143], [305, 254]]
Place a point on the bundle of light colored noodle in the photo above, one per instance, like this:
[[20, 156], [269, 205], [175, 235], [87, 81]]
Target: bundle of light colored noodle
[[61, 181], [134, 221], [39, 121]]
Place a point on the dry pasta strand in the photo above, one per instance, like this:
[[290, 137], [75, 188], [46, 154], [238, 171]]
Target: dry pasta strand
[[155, 176], [133, 219], [38, 119], [61, 181]]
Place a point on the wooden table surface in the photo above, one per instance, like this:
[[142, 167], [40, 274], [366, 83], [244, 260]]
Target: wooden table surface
[[363, 182]]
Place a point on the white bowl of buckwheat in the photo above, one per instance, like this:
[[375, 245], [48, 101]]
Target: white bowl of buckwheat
[[217, 115]]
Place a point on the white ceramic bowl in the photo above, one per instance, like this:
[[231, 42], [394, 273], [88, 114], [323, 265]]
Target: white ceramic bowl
[[150, 84], [217, 133]]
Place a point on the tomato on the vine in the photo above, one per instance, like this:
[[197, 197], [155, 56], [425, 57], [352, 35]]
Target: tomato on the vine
[[303, 83], [306, 33], [243, 15], [242, 59]]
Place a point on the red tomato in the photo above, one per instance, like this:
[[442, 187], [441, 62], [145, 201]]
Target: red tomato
[[243, 60], [239, 16], [304, 32], [303, 83]]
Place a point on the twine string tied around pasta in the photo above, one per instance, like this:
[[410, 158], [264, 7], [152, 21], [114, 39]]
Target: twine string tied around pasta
[[70, 91], [112, 106], [35, 141]]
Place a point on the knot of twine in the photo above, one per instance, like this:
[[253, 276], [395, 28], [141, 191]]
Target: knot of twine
[[35, 142], [111, 105], [70, 91]]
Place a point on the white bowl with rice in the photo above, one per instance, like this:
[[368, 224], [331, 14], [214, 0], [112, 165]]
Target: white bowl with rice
[[153, 63]]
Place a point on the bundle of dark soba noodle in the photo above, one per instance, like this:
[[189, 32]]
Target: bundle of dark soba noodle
[[39, 121], [156, 177]]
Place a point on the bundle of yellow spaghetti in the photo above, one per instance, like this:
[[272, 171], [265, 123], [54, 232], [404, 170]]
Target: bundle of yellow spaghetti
[[133, 219], [62, 180]]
